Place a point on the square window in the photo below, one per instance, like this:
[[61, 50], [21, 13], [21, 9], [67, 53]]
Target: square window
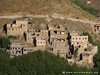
[[37, 34]]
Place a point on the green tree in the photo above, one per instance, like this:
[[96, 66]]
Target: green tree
[[76, 52], [90, 37], [4, 42], [97, 57]]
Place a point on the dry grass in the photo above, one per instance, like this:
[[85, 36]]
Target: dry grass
[[65, 7]]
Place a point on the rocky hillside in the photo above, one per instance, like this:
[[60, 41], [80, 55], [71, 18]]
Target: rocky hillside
[[65, 7]]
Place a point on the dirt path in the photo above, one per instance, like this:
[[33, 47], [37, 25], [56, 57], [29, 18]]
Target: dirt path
[[46, 16]]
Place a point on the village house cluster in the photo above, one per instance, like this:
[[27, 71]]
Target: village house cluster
[[18, 27], [56, 39]]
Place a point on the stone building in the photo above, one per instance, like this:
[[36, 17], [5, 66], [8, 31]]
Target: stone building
[[60, 47], [56, 32], [97, 28], [79, 41], [38, 33], [41, 33], [40, 42], [89, 1], [85, 50], [85, 57], [58, 39], [26, 50], [16, 49], [17, 28]]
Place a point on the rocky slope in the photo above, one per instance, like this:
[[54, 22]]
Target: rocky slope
[[65, 7]]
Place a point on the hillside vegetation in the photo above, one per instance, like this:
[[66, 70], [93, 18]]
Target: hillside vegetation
[[37, 63], [86, 7], [65, 7]]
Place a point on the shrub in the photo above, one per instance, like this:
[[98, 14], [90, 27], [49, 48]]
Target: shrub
[[4, 42], [12, 37]]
